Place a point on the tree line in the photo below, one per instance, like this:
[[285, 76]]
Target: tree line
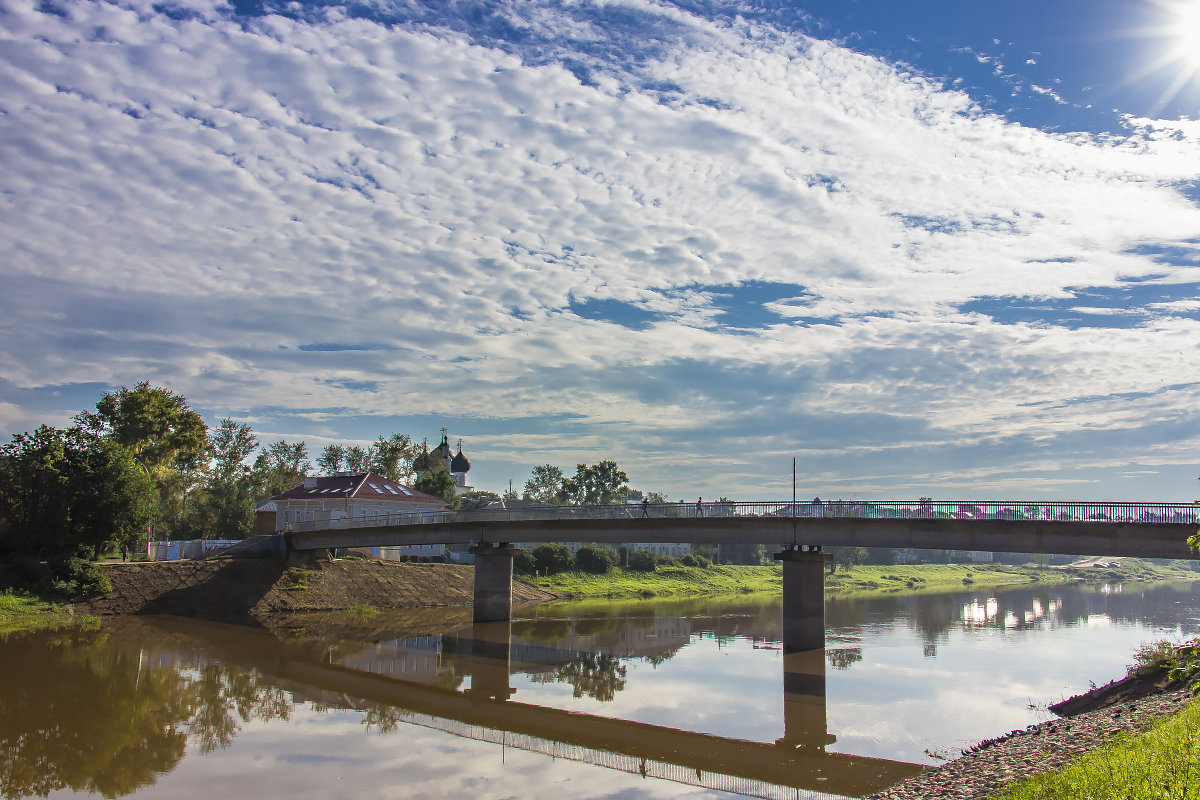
[[144, 464]]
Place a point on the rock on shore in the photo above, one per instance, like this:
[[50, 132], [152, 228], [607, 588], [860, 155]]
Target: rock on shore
[[991, 764]]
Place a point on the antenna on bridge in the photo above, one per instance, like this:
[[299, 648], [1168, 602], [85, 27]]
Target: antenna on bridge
[[793, 501]]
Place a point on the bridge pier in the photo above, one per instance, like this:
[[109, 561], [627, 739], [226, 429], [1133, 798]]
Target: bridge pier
[[493, 581], [803, 599]]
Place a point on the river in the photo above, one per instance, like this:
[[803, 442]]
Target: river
[[641, 700]]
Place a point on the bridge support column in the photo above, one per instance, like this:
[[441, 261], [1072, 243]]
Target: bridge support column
[[493, 581], [803, 599]]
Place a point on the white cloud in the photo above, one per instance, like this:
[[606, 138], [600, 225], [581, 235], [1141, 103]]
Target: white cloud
[[182, 199]]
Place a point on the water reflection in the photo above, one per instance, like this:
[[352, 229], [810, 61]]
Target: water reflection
[[113, 711], [82, 714]]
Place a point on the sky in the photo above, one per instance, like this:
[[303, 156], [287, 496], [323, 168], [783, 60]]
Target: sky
[[948, 249]]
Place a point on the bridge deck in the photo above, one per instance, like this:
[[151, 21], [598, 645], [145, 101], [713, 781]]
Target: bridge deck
[[1147, 539]]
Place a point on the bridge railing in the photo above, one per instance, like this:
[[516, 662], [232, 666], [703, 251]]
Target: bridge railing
[[1058, 511]]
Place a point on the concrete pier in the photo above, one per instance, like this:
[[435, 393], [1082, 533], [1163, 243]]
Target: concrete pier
[[493, 581], [803, 599]]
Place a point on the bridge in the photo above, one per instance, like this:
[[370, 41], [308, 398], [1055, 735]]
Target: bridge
[[801, 530]]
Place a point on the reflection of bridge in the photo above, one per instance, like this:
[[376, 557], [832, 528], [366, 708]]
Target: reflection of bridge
[[798, 760], [1152, 530]]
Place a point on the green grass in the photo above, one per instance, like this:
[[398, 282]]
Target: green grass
[[21, 612], [666, 581], [1163, 762], [861, 581]]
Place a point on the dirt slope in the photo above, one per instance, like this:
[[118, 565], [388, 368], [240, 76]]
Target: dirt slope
[[228, 588]]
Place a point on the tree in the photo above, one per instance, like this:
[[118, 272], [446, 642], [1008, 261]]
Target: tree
[[595, 485], [70, 493], [392, 457], [439, 483], [846, 557], [356, 459], [281, 466], [544, 484], [596, 560], [642, 561], [227, 503], [160, 430], [552, 558], [331, 459]]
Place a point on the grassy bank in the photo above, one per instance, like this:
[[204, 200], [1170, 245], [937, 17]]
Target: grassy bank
[[859, 581], [1159, 763], [23, 612]]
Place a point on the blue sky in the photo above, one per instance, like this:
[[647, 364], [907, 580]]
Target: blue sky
[[945, 250]]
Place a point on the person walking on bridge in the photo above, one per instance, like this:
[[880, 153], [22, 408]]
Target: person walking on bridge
[[699, 508], [645, 507]]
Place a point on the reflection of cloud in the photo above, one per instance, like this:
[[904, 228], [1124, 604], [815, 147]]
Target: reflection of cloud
[[234, 207]]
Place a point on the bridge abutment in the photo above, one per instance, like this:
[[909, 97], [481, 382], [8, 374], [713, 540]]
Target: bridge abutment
[[803, 599], [493, 581]]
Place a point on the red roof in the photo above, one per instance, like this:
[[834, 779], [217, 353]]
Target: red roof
[[356, 486]]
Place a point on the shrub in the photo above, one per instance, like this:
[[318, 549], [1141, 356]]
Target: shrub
[[552, 558], [642, 561], [1151, 657], [694, 560], [596, 560], [523, 562]]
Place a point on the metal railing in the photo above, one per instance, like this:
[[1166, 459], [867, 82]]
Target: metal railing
[[1032, 510]]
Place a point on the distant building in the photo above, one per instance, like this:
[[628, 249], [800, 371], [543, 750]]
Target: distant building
[[351, 495]]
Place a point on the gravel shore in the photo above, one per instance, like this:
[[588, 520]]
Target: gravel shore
[[987, 767]]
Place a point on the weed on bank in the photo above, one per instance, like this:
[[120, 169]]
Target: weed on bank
[[1161, 763]]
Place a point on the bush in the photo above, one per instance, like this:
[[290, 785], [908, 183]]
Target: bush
[[596, 560], [552, 558], [642, 561], [694, 560], [63, 577], [523, 562]]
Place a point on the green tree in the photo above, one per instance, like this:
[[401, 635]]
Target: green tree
[[642, 561], [596, 560], [281, 466], [595, 485], [550, 559], [331, 459], [70, 493], [158, 428], [544, 484], [392, 457], [846, 557], [227, 502], [356, 459], [439, 483]]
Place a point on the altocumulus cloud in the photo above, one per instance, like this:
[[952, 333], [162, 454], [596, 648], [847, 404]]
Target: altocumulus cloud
[[538, 224]]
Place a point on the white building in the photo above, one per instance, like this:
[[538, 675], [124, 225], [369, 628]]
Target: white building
[[359, 496]]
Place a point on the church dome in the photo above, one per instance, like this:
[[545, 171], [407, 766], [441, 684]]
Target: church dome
[[460, 463]]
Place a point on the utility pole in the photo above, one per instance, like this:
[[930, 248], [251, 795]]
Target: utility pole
[[793, 501]]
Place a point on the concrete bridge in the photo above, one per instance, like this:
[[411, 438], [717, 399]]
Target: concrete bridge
[[800, 530]]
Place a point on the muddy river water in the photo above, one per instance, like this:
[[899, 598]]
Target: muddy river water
[[650, 699]]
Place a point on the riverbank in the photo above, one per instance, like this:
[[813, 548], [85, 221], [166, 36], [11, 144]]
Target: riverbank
[[230, 589], [860, 581], [23, 612], [1108, 715]]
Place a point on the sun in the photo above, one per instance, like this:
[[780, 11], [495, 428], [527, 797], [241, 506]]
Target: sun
[[1184, 29], [1172, 38]]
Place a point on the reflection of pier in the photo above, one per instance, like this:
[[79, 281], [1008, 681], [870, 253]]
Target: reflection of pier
[[485, 712]]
